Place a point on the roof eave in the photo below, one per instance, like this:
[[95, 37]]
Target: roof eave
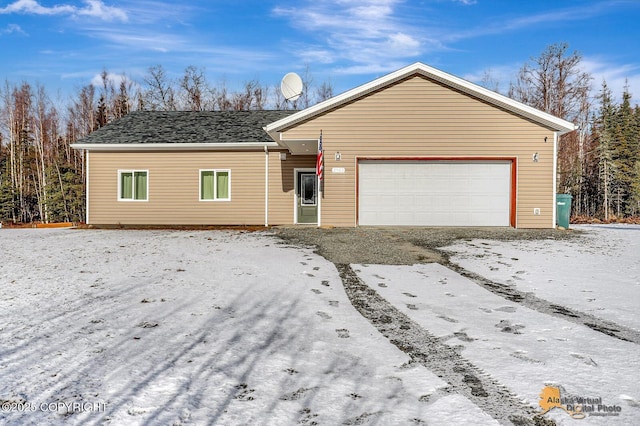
[[237, 146]]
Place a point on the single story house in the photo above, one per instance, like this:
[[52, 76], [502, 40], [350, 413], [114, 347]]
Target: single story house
[[415, 147]]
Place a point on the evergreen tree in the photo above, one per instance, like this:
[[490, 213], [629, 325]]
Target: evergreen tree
[[101, 114], [633, 207], [625, 152], [123, 102], [605, 133], [65, 194], [634, 200], [7, 194]]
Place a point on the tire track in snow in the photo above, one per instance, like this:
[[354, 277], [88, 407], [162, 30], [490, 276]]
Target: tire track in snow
[[531, 301], [424, 348]]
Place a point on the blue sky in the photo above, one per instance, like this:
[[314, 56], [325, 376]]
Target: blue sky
[[65, 44]]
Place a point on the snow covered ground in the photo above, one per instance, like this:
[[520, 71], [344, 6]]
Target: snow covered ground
[[598, 274], [524, 349], [217, 327], [206, 327]]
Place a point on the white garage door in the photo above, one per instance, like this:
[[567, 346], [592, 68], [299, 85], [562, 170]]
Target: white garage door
[[434, 193]]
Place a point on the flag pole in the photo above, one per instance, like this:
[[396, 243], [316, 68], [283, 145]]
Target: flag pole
[[320, 177]]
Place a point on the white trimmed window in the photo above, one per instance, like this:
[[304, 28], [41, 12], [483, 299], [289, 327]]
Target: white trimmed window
[[215, 185], [133, 185]]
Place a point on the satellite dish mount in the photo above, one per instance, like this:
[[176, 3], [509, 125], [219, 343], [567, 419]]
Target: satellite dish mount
[[291, 86]]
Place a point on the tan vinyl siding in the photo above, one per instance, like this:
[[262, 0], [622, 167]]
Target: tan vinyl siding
[[281, 185], [421, 118], [173, 197]]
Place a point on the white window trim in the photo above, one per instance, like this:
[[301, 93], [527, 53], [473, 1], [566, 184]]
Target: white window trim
[[133, 171], [215, 185]]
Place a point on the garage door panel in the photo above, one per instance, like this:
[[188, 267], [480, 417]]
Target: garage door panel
[[434, 193], [487, 203]]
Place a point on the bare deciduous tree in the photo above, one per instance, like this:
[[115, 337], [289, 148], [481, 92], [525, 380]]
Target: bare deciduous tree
[[159, 94], [489, 81], [324, 91], [556, 84], [194, 89]]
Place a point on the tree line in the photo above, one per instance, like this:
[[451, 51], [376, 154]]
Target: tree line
[[599, 163], [42, 178]]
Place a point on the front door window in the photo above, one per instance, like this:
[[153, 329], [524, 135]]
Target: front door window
[[306, 197], [308, 189]]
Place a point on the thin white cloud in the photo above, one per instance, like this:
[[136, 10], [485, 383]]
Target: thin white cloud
[[369, 34], [112, 78], [316, 55], [497, 75], [34, 8], [616, 75], [405, 43], [506, 24], [140, 39], [152, 25], [377, 70], [155, 34], [97, 9], [12, 29], [92, 8], [152, 12]]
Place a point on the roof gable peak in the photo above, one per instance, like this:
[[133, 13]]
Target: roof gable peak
[[446, 79]]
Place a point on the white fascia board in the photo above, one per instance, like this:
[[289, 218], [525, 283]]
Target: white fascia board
[[173, 146], [558, 124], [447, 79]]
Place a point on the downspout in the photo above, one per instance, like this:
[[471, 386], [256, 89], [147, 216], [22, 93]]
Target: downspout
[[555, 177], [319, 202], [319, 182], [86, 212], [266, 186]]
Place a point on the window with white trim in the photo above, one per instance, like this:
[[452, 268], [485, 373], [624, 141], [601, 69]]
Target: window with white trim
[[215, 185], [133, 185]]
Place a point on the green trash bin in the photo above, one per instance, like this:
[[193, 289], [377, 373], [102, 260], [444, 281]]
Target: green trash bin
[[563, 210]]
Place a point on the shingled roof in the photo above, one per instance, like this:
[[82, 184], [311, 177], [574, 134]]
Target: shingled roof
[[186, 127]]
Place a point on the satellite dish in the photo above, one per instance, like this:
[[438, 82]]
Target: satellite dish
[[291, 86]]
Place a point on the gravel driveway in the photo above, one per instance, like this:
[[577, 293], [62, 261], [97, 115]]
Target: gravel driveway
[[407, 246], [401, 245]]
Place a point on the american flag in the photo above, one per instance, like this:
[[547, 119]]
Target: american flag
[[320, 159]]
